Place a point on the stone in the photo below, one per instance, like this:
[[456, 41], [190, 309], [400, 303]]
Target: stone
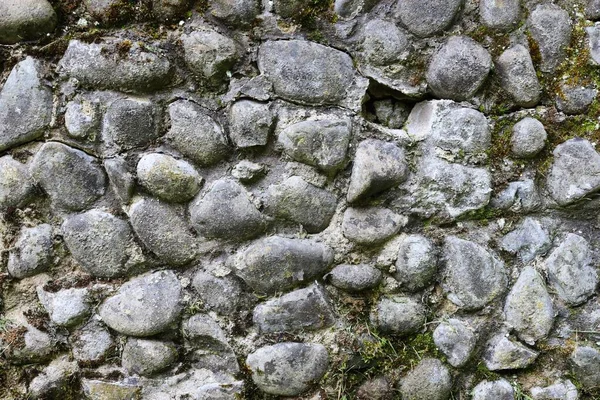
[[195, 134], [439, 16], [16, 184], [236, 12], [37, 347], [350, 8], [221, 294], [92, 343], [288, 8], [129, 123], [398, 315], [575, 172], [147, 357], [355, 278], [277, 264], [122, 181], [416, 264], [22, 20], [72, 179], [55, 380], [201, 384], [500, 15], [104, 390], [473, 276], [378, 388], [32, 253], [528, 240], [168, 178], [329, 78], [518, 76], [246, 171], [493, 390], [575, 99], [299, 202], [322, 144], [83, 117], [456, 339], [106, 66], [593, 39], [528, 308], [528, 137], [430, 379], [570, 270], [462, 131], [209, 55], [592, 11], [250, 123], [550, 27], [288, 369], [226, 211], [108, 12], [301, 310], [67, 307], [102, 244], [458, 69], [164, 231], [378, 166], [519, 196], [504, 354], [384, 43], [371, 225], [391, 114], [585, 362], [25, 100], [559, 390], [145, 305], [169, 10]]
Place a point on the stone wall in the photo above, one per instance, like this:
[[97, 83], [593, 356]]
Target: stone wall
[[236, 199]]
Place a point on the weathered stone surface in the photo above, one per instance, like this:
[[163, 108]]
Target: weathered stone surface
[[503, 353], [528, 240], [520, 196], [37, 347], [288, 369], [372, 225], [500, 15], [398, 315], [430, 379], [355, 278], [416, 264], [250, 123], [221, 294], [66, 307], [129, 123], [16, 184], [550, 27], [493, 390], [195, 134], [593, 39], [461, 131], [168, 178], [378, 388], [390, 113], [147, 357], [201, 384], [564, 390], [456, 339], [25, 102], [104, 390], [473, 276], [322, 144], [592, 10], [54, 380], [71, 178], [575, 172], [32, 253], [168, 10], [104, 66], [83, 117], [122, 181], [164, 231], [236, 12], [102, 244], [247, 171], [585, 361], [458, 69], [277, 263], [92, 343], [575, 99], [438, 17], [209, 55], [518, 77], [384, 43], [570, 270], [145, 305], [528, 137], [25, 20]]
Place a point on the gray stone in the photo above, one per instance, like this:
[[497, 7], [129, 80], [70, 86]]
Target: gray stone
[[493, 390], [416, 264], [301, 310], [129, 123], [462, 131], [502, 354], [299, 202], [16, 184], [55, 380], [372, 225], [593, 38], [570, 270], [592, 11], [391, 113], [145, 305], [195, 134], [197, 384], [221, 294], [104, 390], [528, 240], [288, 8], [164, 231], [25, 103], [250, 123], [226, 211], [288, 369], [92, 343], [67, 307], [122, 181], [528, 308], [37, 347], [458, 69], [550, 27], [147, 357], [168, 178], [519, 196], [102, 244], [350, 8], [108, 11], [378, 166], [575, 172], [378, 388], [277, 263], [106, 66], [355, 278], [585, 361], [500, 15], [169, 10], [575, 99], [82, 118], [72, 179], [32, 253], [518, 76], [456, 339], [473, 276], [322, 144], [25, 20], [247, 171], [236, 12], [384, 43], [559, 390], [398, 315], [209, 55], [528, 137], [439, 15], [430, 380]]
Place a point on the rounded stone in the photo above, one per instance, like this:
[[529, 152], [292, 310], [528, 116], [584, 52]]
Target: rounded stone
[[82, 118], [129, 123], [354, 278], [384, 43], [500, 15], [426, 18], [236, 12], [456, 339], [416, 264], [147, 357], [16, 184], [25, 20], [430, 380], [209, 55], [167, 178], [372, 225], [496, 390], [398, 315], [32, 253], [528, 137]]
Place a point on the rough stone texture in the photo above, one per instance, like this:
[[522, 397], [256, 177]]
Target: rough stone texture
[[558, 390], [503, 353], [398, 315], [550, 27], [592, 10], [147, 357], [82, 118], [25, 20], [354, 278], [593, 39], [236, 12], [518, 77], [122, 181], [528, 240], [209, 55], [16, 184], [494, 390], [384, 43], [103, 390], [519, 196], [528, 137], [37, 347], [92, 343], [372, 225], [416, 264], [129, 123], [575, 99], [167, 178], [500, 15], [438, 17], [456, 339], [53, 381], [66, 307], [250, 123], [430, 379], [221, 294], [32, 253], [585, 362]]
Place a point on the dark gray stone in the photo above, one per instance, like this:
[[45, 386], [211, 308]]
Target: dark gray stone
[[416, 264], [559, 390], [430, 380], [372, 225], [528, 240], [500, 15], [585, 361], [92, 343], [129, 123], [147, 357], [169, 10], [32, 253], [518, 76], [575, 99], [550, 27], [67, 307], [355, 278], [168, 178], [504, 354], [438, 17], [16, 184], [493, 390], [528, 137], [250, 123], [398, 315], [25, 20], [236, 12], [378, 388], [592, 11], [391, 113], [209, 55], [221, 294], [456, 339]]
